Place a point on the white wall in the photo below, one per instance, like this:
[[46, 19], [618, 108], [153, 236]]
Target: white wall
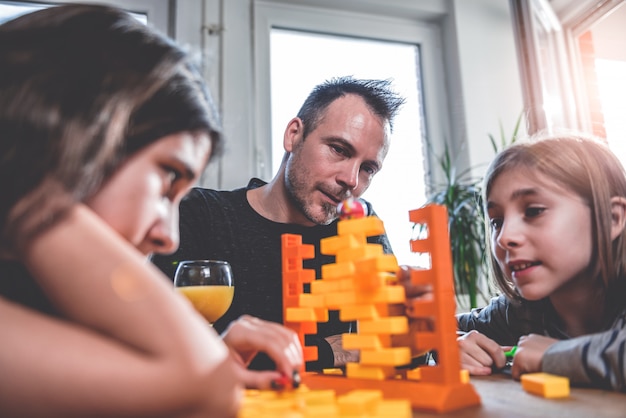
[[489, 90]]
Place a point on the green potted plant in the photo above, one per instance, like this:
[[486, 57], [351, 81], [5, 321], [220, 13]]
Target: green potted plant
[[460, 193]]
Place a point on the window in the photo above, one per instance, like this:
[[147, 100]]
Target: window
[[11, 10], [331, 45], [573, 59], [400, 185], [146, 11]]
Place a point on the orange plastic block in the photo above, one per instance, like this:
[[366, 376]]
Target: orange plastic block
[[356, 370], [332, 245], [299, 276], [385, 262], [360, 402], [414, 374], [300, 251], [337, 270], [368, 226], [333, 371], [373, 280], [369, 293], [306, 314], [360, 252], [309, 300], [421, 308], [303, 327], [364, 342], [338, 299], [325, 286], [465, 376], [356, 312], [309, 353], [546, 385], [387, 294], [346, 284], [397, 408], [300, 315], [388, 325], [306, 403], [396, 356]]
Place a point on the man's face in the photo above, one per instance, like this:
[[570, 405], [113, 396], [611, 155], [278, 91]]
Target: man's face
[[336, 160]]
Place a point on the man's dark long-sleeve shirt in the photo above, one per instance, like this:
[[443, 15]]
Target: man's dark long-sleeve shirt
[[222, 225]]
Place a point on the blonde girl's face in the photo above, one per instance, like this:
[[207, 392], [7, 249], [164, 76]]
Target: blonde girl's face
[[540, 234], [140, 201]]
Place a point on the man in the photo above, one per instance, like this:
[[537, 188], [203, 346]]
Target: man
[[333, 149]]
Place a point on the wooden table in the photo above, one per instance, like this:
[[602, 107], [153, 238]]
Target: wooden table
[[503, 397]]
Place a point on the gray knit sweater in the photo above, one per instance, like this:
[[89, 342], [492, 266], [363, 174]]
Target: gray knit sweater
[[595, 359]]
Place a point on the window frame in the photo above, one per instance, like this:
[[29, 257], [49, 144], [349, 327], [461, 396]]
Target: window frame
[[156, 10], [268, 15], [531, 16]]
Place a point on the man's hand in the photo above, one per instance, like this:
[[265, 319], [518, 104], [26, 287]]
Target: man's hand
[[413, 294], [341, 356]]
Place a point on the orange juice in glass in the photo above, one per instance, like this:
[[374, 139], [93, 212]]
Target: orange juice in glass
[[208, 284]]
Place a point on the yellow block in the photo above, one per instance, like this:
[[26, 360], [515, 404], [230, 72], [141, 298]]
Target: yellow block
[[308, 300], [371, 281], [355, 370], [465, 376], [319, 397], [336, 300], [325, 286], [300, 315], [414, 374], [331, 245], [384, 262], [358, 253], [397, 408], [361, 342], [386, 294], [337, 270], [368, 226], [385, 326], [546, 385], [360, 402], [357, 312], [334, 371], [396, 356]]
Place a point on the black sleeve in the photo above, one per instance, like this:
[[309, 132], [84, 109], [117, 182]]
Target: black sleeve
[[490, 321]]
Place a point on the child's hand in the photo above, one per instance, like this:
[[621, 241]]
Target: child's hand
[[529, 354], [249, 335], [480, 353]]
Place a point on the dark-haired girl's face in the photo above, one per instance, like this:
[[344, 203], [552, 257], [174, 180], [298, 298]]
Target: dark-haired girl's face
[[140, 201]]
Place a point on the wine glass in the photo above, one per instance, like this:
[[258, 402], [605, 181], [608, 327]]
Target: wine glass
[[208, 284]]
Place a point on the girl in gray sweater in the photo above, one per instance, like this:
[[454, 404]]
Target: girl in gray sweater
[[556, 214]]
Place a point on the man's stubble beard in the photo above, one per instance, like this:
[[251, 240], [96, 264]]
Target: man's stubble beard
[[296, 186]]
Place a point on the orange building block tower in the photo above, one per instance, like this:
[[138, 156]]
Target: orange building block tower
[[361, 285], [301, 311]]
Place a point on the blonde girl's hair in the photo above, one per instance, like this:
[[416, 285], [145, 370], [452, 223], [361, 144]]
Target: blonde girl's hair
[[587, 167]]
